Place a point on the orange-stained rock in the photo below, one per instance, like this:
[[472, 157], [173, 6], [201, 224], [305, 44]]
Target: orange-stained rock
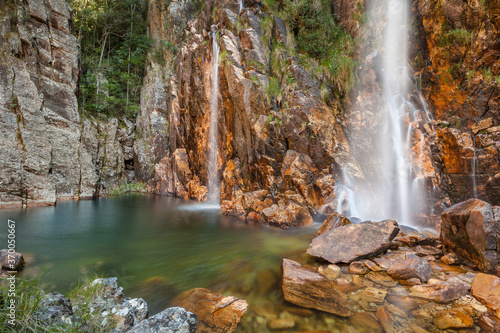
[[335, 220], [308, 288], [453, 319], [486, 288], [471, 230], [216, 313]]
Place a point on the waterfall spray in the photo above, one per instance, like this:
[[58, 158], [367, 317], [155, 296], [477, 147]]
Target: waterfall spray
[[241, 5], [213, 180]]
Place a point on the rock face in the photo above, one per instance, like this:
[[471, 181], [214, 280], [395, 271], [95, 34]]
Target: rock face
[[354, 241], [215, 312], [472, 230], [48, 153], [307, 288], [279, 155]]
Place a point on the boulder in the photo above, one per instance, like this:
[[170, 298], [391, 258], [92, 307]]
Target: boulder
[[353, 242], [414, 267], [175, 320], [55, 309], [215, 312], [486, 288], [308, 288], [12, 261], [472, 230]]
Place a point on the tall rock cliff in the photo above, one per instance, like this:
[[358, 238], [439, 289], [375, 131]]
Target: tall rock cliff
[[48, 153]]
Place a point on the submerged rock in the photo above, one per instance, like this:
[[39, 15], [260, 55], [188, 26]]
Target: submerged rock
[[172, 320], [215, 312], [353, 242], [6, 262], [306, 287], [453, 319], [441, 292], [472, 230], [410, 268]]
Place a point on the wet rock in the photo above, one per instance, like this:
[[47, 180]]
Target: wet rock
[[441, 292], [451, 259], [353, 242], [383, 263], [427, 250], [374, 295], [293, 215], [453, 319], [175, 319], [357, 267], [305, 287], [55, 309], [11, 262], [335, 220], [410, 268], [486, 288], [471, 229], [331, 271], [381, 279], [482, 125], [489, 322], [405, 303], [215, 312]]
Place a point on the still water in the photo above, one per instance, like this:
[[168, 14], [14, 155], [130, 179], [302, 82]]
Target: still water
[[156, 246]]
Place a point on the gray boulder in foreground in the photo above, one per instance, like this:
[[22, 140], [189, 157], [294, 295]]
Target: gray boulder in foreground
[[354, 241], [171, 320]]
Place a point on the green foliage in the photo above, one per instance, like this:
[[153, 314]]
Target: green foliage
[[114, 46], [128, 188], [160, 48], [28, 298], [273, 89], [460, 36], [224, 58]]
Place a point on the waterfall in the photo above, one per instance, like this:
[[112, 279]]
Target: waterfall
[[392, 186], [213, 180], [241, 5], [473, 164]]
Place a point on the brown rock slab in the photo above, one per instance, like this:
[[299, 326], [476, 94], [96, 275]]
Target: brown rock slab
[[414, 267], [471, 229], [357, 267], [331, 271], [216, 313], [404, 303], [383, 263], [453, 319], [442, 292], [482, 125], [307, 288], [486, 288], [333, 221], [353, 242], [427, 250], [382, 279], [374, 295], [489, 322]]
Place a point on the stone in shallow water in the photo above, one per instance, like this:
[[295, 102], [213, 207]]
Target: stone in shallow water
[[353, 242], [404, 303], [176, 320], [414, 267], [15, 259], [305, 287], [382, 279], [357, 267], [441, 292], [374, 295], [453, 319], [215, 312], [281, 324], [365, 322]]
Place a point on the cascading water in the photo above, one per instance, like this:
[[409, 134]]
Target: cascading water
[[241, 5], [394, 177], [473, 165], [213, 180]]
